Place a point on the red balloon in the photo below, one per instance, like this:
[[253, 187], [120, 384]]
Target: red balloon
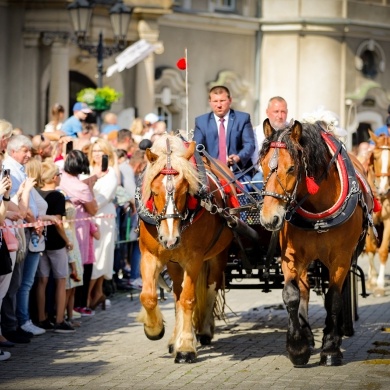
[[182, 64]]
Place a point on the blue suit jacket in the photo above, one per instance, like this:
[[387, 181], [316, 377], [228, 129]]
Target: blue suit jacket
[[240, 137]]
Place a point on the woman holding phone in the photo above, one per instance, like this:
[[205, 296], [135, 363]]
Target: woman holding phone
[[102, 161]]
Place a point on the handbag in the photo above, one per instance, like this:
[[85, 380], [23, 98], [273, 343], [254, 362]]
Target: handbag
[[10, 239], [5, 258]]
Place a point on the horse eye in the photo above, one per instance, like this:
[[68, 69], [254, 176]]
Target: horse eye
[[291, 169]]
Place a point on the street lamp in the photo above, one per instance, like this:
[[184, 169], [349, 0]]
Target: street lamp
[[80, 12]]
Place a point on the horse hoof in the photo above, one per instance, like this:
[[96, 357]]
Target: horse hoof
[[331, 360], [204, 339], [170, 348], [299, 361], [185, 357], [155, 337]]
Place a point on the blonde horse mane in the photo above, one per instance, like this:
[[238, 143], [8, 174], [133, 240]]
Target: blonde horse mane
[[178, 161]]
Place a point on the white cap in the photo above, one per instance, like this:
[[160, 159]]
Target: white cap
[[152, 118]]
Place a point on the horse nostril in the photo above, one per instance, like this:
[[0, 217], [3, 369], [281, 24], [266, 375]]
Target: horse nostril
[[276, 220]]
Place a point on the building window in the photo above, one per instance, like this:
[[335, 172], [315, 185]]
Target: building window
[[370, 59], [223, 5]]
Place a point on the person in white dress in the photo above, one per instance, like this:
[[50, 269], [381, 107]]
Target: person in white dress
[[104, 192]]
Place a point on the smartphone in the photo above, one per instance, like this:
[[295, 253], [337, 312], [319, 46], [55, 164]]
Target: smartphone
[[104, 163], [69, 146], [5, 172]]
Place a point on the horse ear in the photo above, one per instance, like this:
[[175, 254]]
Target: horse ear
[[267, 128], [190, 150], [296, 132], [151, 156], [372, 135]]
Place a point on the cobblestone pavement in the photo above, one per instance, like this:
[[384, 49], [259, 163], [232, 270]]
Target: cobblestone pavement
[[110, 351]]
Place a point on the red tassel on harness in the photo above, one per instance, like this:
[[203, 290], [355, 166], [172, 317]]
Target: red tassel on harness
[[377, 205], [312, 186], [192, 202], [234, 201], [149, 204], [226, 186]]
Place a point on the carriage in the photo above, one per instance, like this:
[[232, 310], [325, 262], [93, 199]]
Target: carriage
[[243, 235]]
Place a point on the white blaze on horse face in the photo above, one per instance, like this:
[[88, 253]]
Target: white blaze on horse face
[[170, 210], [384, 171]]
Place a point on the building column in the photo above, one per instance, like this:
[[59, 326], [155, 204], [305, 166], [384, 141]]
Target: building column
[[59, 75], [29, 122], [145, 97]]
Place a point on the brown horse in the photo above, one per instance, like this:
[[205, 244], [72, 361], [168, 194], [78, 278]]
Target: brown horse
[[313, 197], [379, 164], [180, 228]]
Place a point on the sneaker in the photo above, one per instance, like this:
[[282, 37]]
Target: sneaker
[[30, 327], [16, 337], [76, 314], [63, 327], [23, 333], [85, 311], [4, 355], [136, 283], [46, 324]]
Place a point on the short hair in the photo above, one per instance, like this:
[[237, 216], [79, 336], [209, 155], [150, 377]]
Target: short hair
[[278, 99], [123, 134], [121, 153], [17, 142], [76, 163], [48, 171], [137, 157], [218, 89], [5, 129]]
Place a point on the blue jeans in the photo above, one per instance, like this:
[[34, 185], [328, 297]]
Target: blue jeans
[[135, 261], [30, 267]]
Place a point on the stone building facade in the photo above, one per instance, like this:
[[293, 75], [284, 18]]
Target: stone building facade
[[329, 53]]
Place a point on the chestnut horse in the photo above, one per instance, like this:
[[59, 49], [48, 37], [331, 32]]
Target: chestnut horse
[[177, 230], [313, 197], [379, 165]]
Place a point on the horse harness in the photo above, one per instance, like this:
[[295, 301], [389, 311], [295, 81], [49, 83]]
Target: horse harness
[[336, 215], [205, 200]]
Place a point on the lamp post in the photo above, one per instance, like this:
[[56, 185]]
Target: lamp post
[[80, 12]]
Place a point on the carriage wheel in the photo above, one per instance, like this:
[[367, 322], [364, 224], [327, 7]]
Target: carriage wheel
[[349, 311]]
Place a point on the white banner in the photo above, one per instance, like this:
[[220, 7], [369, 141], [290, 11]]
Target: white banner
[[131, 56]]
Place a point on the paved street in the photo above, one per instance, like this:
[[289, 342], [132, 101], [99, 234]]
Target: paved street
[[110, 351]]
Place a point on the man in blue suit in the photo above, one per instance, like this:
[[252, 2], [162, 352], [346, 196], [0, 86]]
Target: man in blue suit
[[224, 126]]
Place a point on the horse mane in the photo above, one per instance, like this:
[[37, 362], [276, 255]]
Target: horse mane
[[311, 146], [186, 169]]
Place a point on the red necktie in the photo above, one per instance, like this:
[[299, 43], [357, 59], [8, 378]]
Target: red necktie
[[222, 142]]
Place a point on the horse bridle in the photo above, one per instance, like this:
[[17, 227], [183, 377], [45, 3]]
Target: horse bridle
[[273, 166], [380, 174], [170, 191]]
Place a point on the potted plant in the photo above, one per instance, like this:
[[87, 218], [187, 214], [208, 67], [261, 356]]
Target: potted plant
[[99, 99]]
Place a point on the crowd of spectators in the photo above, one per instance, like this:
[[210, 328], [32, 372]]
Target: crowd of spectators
[[68, 234]]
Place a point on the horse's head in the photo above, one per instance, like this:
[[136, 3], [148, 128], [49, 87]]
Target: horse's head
[[278, 159], [170, 180], [380, 162]]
